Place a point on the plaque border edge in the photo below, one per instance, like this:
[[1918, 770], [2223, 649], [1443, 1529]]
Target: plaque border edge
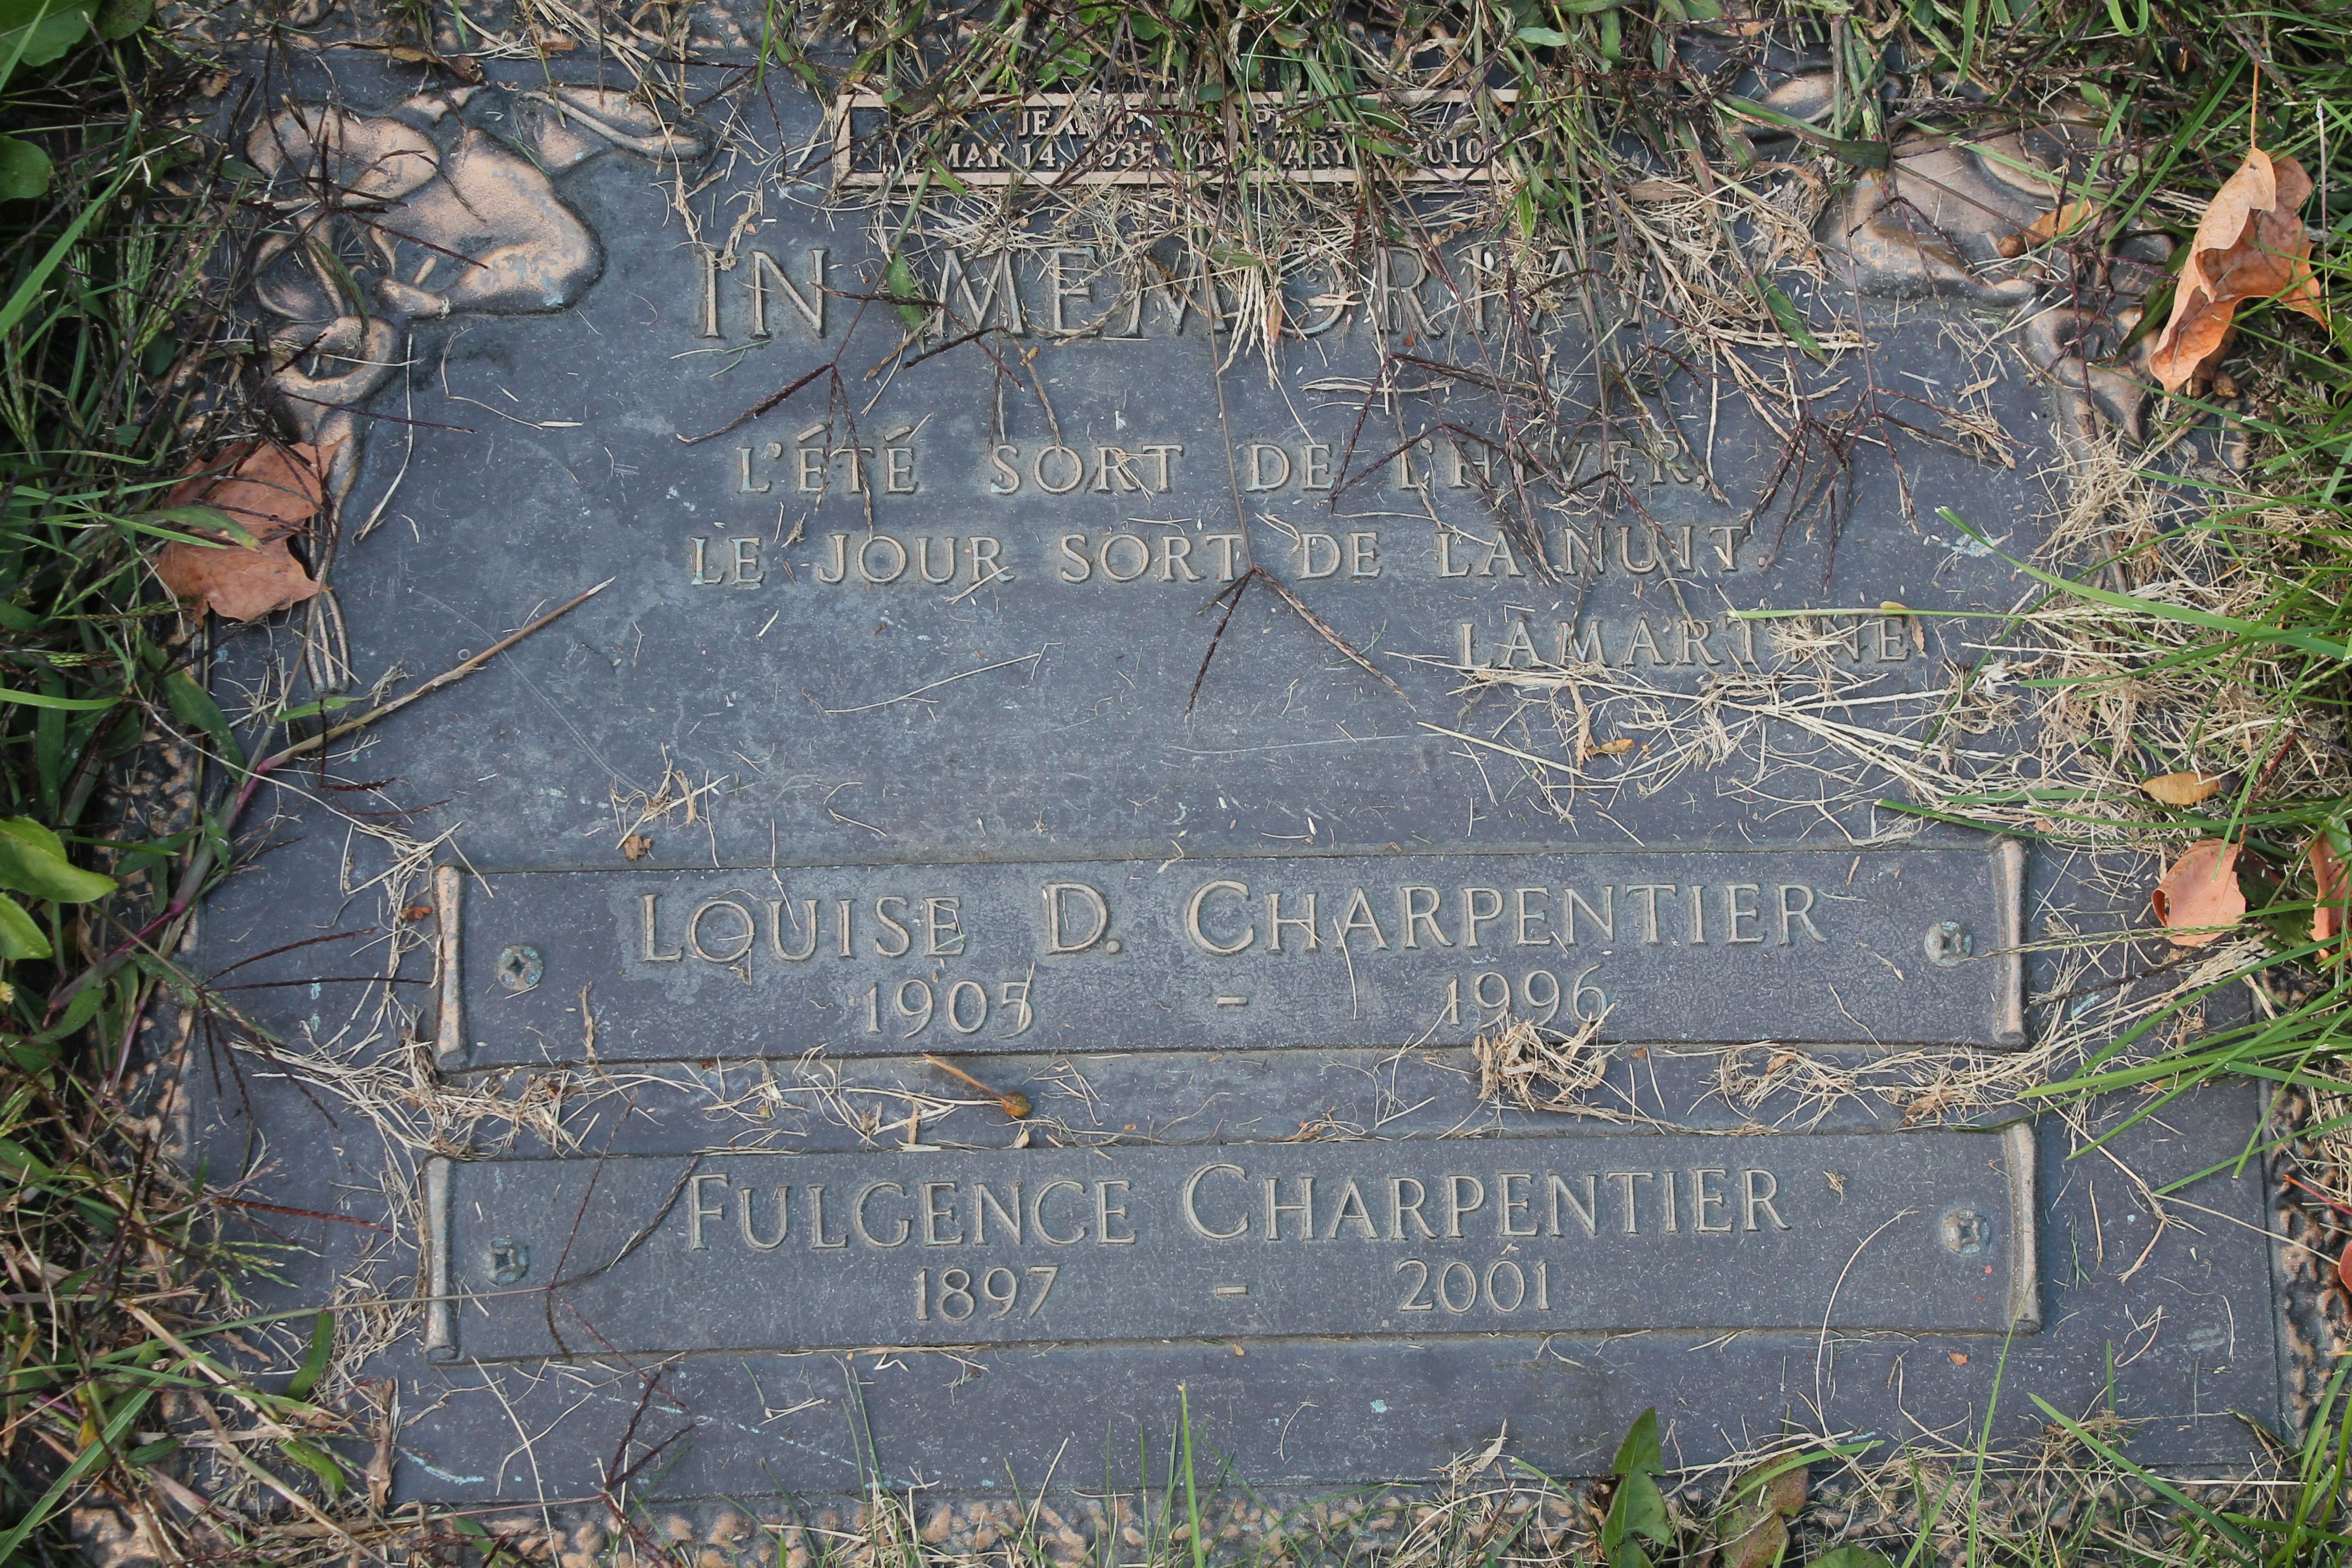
[[2008, 909], [440, 1306], [2018, 1141], [450, 996]]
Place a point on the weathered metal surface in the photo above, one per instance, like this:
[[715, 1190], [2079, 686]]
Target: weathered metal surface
[[976, 626]]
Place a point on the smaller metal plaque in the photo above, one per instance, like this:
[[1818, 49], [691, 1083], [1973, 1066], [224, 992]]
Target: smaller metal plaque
[[1924, 1232], [1887, 946], [1068, 138]]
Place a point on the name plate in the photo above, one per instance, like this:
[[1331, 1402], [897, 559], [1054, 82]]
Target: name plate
[[1811, 945], [1923, 1232], [1063, 140]]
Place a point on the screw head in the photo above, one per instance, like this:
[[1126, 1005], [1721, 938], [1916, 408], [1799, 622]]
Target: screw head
[[519, 967], [510, 1260], [1948, 944], [1964, 1232]]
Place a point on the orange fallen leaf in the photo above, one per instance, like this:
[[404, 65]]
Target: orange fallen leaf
[[2327, 875], [1959, 1358], [1755, 1530], [636, 846], [237, 583], [2058, 220], [2198, 897], [2182, 789], [1616, 748], [2250, 245], [267, 490]]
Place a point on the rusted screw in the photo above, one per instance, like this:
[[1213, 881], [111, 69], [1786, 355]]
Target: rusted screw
[[1014, 1105], [1950, 945], [520, 967]]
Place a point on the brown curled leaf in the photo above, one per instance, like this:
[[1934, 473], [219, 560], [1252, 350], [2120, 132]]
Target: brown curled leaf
[[2329, 880], [2058, 220], [236, 581], [2198, 898], [2182, 789], [2250, 245], [1755, 1532], [268, 489]]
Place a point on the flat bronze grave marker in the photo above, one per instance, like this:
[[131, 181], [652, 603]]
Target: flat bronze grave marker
[[1225, 757]]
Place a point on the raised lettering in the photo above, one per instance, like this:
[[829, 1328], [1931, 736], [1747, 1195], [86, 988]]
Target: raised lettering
[[1626, 1181], [1757, 1188], [1303, 1207], [1734, 915], [741, 940], [1791, 910], [1192, 918], [751, 1233], [1515, 1203], [647, 950], [1192, 1204], [1705, 1203], [1037, 1211], [1399, 1208], [858, 1213], [1587, 1209], [698, 1211], [1058, 936], [1458, 1205], [1106, 1212]]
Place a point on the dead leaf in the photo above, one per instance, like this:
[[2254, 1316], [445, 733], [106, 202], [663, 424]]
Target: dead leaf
[[267, 490], [417, 912], [2200, 890], [237, 583], [2250, 245], [1616, 748], [1755, 1531], [465, 67], [2182, 789], [380, 1393], [2343, 1267], [1959, 1358], [2327, 875], [636, 846], [2058, 220]]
